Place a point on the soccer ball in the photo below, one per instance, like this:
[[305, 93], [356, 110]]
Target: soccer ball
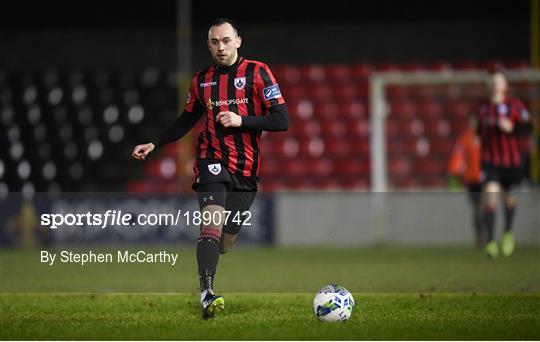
[[333, 303]]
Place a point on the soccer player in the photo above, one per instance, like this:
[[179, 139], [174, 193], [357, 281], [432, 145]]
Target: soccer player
[[501, 118], [465, 167], [237, 99]]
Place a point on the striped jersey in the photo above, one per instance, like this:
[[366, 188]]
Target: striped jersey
[[246, 88], [500, 148]]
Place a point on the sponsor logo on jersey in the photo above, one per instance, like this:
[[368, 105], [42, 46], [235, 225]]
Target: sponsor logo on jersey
[[240, 82], [207, 84], [211, 104], [272, 92], [502, 109], [214, 169]]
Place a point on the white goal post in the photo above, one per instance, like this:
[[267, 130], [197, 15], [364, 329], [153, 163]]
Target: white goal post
[[379, 110]]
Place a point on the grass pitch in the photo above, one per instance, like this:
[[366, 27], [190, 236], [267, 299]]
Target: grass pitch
[[400, 293]]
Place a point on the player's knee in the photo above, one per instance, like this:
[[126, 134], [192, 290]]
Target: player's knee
[[492, 187]]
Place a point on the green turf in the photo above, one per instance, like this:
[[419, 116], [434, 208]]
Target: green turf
[[288, 270], [402, 293], [269, 316]]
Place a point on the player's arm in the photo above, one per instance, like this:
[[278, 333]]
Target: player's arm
[[183, 124], [276, 120], [456, 165], [522, 120], [277, 117]]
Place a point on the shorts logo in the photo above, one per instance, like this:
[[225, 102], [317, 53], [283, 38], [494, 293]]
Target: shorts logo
[[240, 82], [215, 169], [272, 92]]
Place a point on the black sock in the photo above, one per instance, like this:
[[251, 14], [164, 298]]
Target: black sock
[[489, 221], [207, 259], [509, 212]]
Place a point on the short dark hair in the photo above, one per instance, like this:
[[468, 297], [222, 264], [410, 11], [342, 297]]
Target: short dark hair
[[497, 69], [221, 21]]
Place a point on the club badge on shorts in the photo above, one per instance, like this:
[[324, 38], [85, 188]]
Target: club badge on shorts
[[215, 169], [239, 82]]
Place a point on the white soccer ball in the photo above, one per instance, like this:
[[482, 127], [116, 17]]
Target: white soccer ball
[[333, 303]]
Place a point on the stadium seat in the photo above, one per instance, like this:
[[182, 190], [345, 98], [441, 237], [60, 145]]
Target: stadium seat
[[354, 109], [361, 72], [327, 110], [517, 64], [429, 109], [338, 148], [358, 128], [397, 92], [412, 67], [88, 118], [338, 73], [386, 67], [322, 168], [399, 167], [333, 129], [464, 65], [355, 168], [346, 91], [438, 66], [287, 74], [402, 109], [441, 147], [312, 73], [320, 91]]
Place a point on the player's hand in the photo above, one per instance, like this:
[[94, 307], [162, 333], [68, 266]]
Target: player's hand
[[141, 151], [229, 119], [506, 125]]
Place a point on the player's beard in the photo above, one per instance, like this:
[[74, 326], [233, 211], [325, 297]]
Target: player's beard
[[226, 62]]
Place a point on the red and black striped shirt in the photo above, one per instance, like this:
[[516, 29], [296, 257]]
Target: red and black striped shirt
[[500, 148], [246, 88]]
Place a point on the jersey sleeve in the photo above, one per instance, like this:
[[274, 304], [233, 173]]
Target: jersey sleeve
[[522, 114], [267, 88], [192, 112], [193, 104], [522, 119]]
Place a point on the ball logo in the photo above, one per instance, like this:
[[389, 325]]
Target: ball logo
[[215, 169], [240, 82]]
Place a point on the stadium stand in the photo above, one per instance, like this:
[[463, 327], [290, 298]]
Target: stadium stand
[[74, 131]]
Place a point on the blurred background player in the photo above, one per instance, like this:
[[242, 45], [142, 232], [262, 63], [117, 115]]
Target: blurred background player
[[238, 98], [465, 168], [502, 119]]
